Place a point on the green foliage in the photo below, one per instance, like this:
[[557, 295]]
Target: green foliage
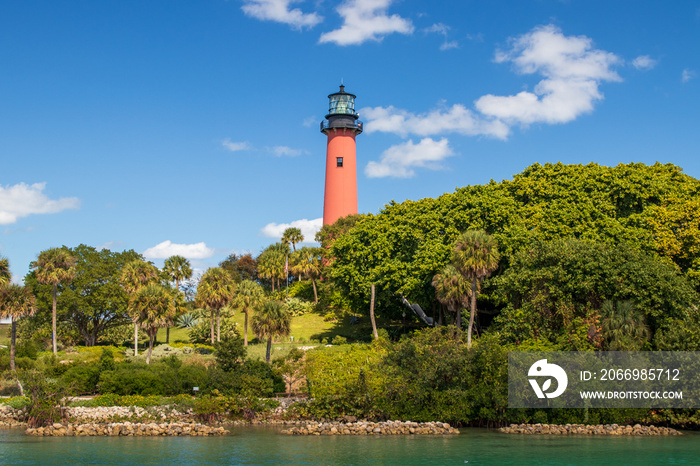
[[17, 402], [93, 302], [406, 244], [47, 399], [558, 288], [680, 334], [200, 333], [230, 353], [339, 340], [298, 307]]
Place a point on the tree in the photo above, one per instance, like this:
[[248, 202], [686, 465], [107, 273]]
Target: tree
[[93, 303], [176, 268], [475, 256], [292, 235], [153, 308], [248, 296], [307, 263], [54, 266], [453, 291], [134, 276], [240, 267], [623, 326], [271, 263], [4, 271], [16, 302], [215, 290], [272, 320]]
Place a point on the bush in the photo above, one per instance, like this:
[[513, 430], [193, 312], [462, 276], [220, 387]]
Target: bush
[[46, 399], [297, 307], [339, 340], [82, 379], [131, 378]]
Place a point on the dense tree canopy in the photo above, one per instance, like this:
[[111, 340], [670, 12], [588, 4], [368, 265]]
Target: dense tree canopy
[[94, 301], [654, 210]]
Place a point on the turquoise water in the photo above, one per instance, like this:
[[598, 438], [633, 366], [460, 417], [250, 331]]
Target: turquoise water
[[266, 446]]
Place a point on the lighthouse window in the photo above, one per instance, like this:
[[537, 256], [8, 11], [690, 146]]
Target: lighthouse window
[[339, 162]]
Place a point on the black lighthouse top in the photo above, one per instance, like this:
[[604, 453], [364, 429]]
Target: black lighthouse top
[[341, 112]]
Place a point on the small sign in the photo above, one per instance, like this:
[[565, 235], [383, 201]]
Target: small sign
[[196, 389]]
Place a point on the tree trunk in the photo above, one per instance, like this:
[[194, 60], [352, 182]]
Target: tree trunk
[[313, 282], [53, 321], [245, 328], [13, 336], [150, 348], [167, 334], [269, 349], [136, 339], [371, 315], [212, 326], [471, 315], [218, 325]]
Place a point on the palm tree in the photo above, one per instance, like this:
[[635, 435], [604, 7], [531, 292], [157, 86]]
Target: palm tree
[[54, 266], [135, 275], [292, 235], [475, 256], [453, 291], [623, 326], [216, 288], [248, 296], [153, 308], [271, 263], [272, 320], [176, 268], [307, 263], [4, 271], [16, 301]]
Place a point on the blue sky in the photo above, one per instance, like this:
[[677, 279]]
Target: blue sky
[[193, 127]]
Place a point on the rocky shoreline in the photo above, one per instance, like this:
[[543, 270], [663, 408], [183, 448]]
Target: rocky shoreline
[[372, 428], [127, 429], [582, 429]]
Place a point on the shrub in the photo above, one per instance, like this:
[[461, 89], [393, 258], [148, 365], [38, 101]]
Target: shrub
[[230, 353], [297, 307], [131, 378], [46, 399], [339, 340], [82, 379]]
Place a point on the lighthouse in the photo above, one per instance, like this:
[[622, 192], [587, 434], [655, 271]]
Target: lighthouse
[[341, 126]]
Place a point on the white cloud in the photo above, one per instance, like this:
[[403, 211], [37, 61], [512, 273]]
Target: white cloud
[[687, 75], [456, 119], [365, 20], [453, 44], [281, 151], [22, 200], [398, 161], [442, 29], [572, 72], [236, 146], [572, 69], [278, 11], [308, 228], [190, 251], [644, 62]]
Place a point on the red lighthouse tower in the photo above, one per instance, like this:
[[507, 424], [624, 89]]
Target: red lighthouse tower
[[340, 126]]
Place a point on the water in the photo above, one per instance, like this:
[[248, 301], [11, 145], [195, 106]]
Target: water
[[266, 446]]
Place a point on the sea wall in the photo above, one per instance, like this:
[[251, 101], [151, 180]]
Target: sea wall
[[581, 429], [127, 429], [372, 428]]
